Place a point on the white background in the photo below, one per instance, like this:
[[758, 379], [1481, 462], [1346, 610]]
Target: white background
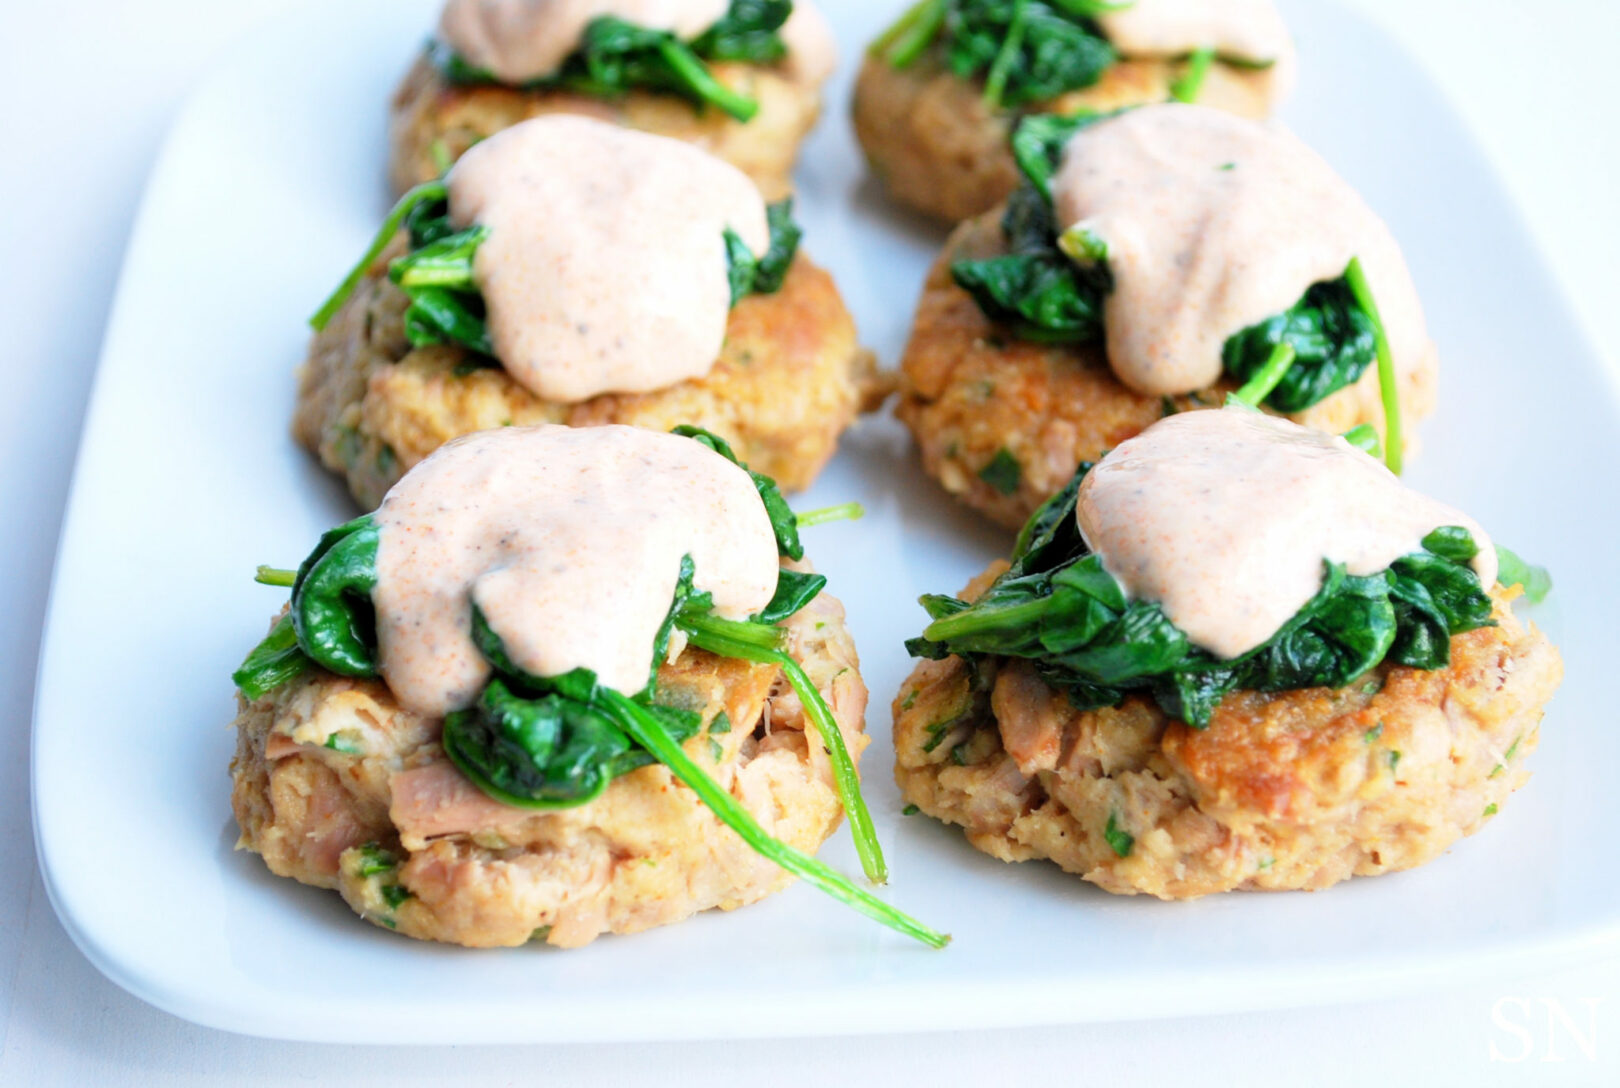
[[88, 88]]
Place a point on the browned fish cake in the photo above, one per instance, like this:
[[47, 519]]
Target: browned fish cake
[[1298, 789], [431, 119], [790, 378], [938, 148], [326, 767], [975, 396]]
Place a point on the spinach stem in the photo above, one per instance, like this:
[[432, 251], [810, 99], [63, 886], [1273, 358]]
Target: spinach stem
[[439, 151], [846, 511], [848, 783], [1259, 387], [451, 272], [430, 190], [650, 733], [911, 34], [1364, 437], [741, 632], [1082, 245], [996, 81], [273, 662], [702, 82], [1089, 9], [1394, 445], [1188, 85], [844, 777], [970, 622], [274, 576]]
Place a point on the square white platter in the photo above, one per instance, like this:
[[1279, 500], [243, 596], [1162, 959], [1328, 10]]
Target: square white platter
[[270, 185]]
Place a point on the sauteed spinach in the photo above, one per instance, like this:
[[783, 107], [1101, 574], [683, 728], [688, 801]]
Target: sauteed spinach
[[1057, 607], [1024, 50], [615, 57]]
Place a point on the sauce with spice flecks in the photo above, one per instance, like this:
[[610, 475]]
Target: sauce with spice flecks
[[812, 51], [605, 267], [1224, 518], [1214, 223], [569, 541]]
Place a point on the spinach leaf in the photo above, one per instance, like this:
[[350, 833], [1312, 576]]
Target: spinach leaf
[[1038, 142], [274, 662], [548, 751], [1025, 50], [750, 275], [615, 57], [428, 221], [437, 276], [746, 32], [1057, 607], [330, 621], [331, 600], [794, 590], [1513, 571], [1036, 291], [1333, 346]]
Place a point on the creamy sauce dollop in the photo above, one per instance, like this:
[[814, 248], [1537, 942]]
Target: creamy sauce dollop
[[605, 266], [570, 541], [1224, 517], [1251, 31], [812, 51], [1213, 223], [521, 40]]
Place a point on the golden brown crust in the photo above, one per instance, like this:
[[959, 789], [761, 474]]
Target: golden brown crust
[[427, 110], [790, 378], [939, 149], [1293, 790], [644, 853], [969, 390]]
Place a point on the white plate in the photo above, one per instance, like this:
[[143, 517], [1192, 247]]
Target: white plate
[[269, 186]]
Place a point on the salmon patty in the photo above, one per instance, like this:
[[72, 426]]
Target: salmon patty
[[1286, 790], [790, 378], [337, 786], [938, 148], [433, 121], [1002, 423]]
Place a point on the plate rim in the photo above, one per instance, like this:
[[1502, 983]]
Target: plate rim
[[1008, 1004]]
